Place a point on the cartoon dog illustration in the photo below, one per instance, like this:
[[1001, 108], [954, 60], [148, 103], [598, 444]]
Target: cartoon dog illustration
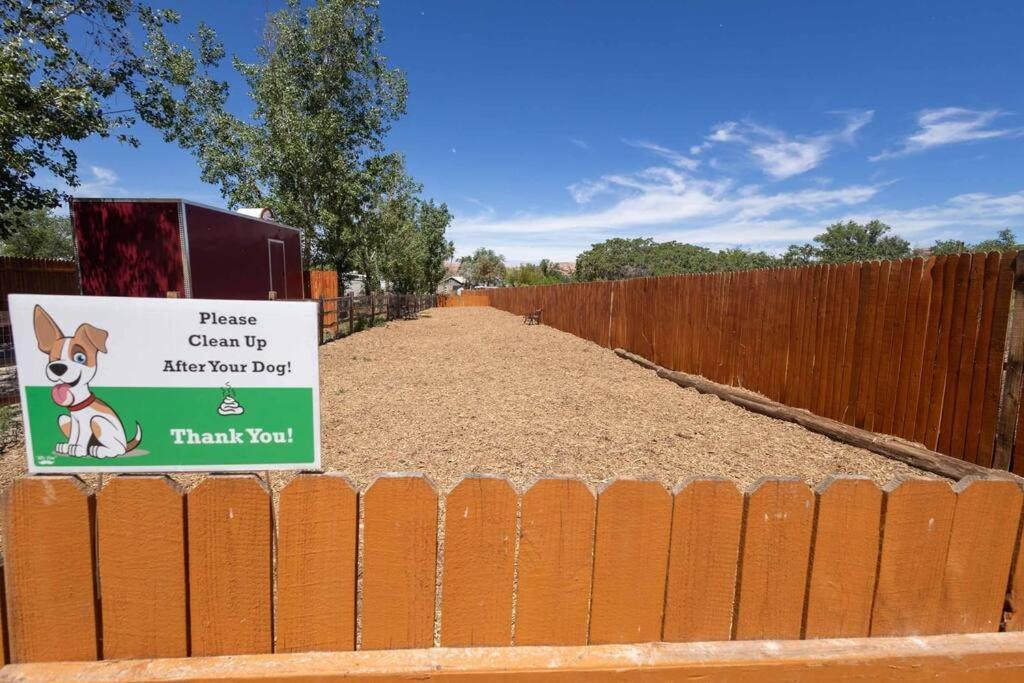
[[91, 426]]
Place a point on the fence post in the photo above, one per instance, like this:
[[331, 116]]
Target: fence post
[[1009, 401], [320, 321], [351, 313]]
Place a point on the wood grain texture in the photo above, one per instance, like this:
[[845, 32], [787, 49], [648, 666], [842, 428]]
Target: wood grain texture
[[915, 539], [140, 528], [845, 558], [981, 546], [399, 563], [971, 658], [773, 570], [630, 562], [556, 563], [479, 563], [707, 517], [317, 526], [229, 556], [51, 603]]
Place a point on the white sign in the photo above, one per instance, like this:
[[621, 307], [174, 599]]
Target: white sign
[[119, 384]]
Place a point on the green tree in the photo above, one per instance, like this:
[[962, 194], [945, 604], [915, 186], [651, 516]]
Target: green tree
[[54, 94], [483, 267], [528, 274], [37, 234], [324, 97], [848, 242], [741, 259], [948, 247], [1004, 241]]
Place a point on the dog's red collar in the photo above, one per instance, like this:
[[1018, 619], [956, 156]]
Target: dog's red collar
[[84, 404]]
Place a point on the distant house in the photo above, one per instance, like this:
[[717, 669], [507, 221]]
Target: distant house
[[567, 268], [452, 285]]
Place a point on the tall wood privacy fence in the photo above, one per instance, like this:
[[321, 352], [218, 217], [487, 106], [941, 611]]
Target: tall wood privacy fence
[[465, 299], [36, 276], [142, 570], [912, 348]]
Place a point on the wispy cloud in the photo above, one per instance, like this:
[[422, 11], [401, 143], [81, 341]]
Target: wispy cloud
[[950, 125], [101, 181], [779, 154], [582, 144], [675, 158]]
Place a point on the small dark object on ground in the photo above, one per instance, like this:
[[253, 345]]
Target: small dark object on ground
[[533, 318]]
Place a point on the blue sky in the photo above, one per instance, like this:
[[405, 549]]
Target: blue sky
[[547, 126]]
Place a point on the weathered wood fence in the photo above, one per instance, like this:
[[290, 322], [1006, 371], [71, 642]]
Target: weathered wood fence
[[341, 316], [926, 349], [142, 570], [36, 276]]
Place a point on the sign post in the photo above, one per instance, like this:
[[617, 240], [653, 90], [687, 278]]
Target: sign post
[[117, 384]]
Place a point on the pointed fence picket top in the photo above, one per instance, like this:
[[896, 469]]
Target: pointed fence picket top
[[479, 563], [229, 566], [317, 528], [140, 530], [556, 562], [399, 562]]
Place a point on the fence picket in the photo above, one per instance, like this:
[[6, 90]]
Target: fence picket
[[479, 559], [140, 530], [49, 585], [773, 569], [630, 562], [707, 516], [317, 522], [915, 538], [556, 563], [845, 558], [399, 563], [229, 564], [981, 547]]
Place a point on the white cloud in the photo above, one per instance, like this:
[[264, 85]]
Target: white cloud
[[947, 126], [780, 155], [672, 156], [582, 144]]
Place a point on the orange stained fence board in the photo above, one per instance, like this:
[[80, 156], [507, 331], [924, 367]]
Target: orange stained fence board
[[140, 528], [51, 603], [399, 563], [707, 517], [915, 538], [981, 546], [556, 563], [972, 658], [318, 519], [479, 563], [776, 547], [634, 521], [845, 558], [229, 557]]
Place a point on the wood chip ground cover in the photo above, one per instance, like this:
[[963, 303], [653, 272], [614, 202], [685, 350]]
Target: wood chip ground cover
[[473, 390]]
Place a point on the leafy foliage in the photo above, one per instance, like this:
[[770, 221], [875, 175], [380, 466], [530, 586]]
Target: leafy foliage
[[621, 258], [313, 149], [543, 273], [848, 242], [483, 267], [55, 94], [1005, 240], [37, 234]]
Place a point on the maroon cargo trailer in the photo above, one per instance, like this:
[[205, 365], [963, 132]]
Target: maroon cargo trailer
[[149, 247]]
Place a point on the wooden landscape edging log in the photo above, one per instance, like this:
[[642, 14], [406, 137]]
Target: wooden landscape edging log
[[977, 657], [888, 446]]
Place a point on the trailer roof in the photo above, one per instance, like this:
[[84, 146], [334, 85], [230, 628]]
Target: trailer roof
[[179, 200]]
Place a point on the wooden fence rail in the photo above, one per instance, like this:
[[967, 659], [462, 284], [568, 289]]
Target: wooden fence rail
[[141, 569], [466, 298], [912, 348], [340, 316]]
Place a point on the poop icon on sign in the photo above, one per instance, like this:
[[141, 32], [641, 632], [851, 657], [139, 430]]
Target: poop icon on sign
[[229, 405]]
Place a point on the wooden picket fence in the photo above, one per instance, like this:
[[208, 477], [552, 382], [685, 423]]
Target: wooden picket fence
[[913, 348], [141, 569], [467, 298]]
